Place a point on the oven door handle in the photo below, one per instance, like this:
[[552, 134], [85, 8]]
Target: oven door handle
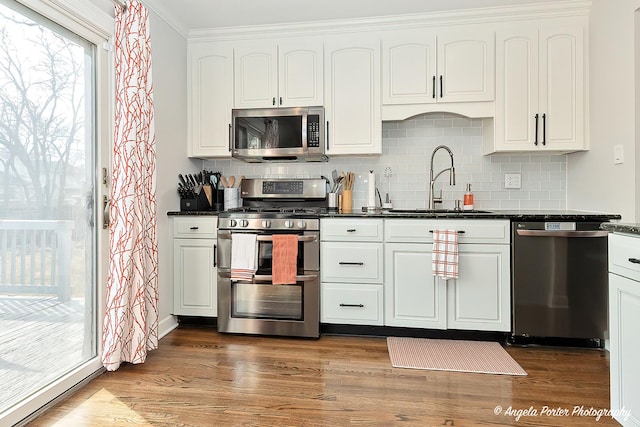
[[269, 238], [269, 278]]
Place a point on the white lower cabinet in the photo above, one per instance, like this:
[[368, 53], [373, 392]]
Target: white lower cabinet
[[624, 318], [194, 266], [351, 257], [478, 300]]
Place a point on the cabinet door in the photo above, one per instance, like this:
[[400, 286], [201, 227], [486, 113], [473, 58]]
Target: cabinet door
[[409, 68], [255, 79], [624, 318], [517, 88], [300, 73], [562, 85], [413, 297], [480, 299], [352, 96], [210, 93], [194, 277], [466, 61]]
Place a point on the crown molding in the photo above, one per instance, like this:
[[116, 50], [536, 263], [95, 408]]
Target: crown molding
[[166, 16], [423, 20]]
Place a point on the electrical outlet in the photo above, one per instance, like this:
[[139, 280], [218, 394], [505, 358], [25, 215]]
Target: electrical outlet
[[512, 180], [388, 173]]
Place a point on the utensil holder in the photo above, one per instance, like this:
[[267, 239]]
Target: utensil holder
[[332, 201], [347, 200], [231, 198]]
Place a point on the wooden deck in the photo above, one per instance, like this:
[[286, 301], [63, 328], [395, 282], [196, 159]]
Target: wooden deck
[[41, 338]]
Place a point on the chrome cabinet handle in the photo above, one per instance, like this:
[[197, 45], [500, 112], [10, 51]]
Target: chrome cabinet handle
[[352, 305]]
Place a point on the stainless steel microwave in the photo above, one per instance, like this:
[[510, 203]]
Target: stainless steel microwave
[[278, 134]]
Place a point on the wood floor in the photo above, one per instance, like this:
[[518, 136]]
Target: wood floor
[[198, 377]]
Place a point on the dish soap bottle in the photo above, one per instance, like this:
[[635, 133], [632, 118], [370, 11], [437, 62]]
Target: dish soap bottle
[[468, 199]]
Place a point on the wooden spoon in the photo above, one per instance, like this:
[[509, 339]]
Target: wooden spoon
[[232, 180], [223, 181], [240, 180]]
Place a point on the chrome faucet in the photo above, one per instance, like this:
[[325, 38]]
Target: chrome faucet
[[432, 179]]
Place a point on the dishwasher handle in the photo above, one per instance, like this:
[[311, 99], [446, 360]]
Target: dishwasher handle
[[562, 233]]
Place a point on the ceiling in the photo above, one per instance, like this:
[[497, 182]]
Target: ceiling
[[186, 15]]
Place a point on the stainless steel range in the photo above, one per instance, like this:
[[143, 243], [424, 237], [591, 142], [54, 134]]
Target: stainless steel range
[[257, 306]]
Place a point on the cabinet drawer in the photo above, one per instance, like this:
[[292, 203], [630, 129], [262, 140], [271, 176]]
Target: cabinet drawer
[[351, 262], [471, 230], [624, 255], [351, 304], [369, 230], [195, 227]]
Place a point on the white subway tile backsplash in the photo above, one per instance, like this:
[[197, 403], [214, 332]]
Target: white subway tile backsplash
[[406, 148]]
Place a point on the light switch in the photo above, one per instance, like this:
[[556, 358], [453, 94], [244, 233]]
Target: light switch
[[512, 180], [618, 154]]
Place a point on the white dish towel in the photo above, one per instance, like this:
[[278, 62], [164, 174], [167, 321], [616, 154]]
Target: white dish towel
[[444, 258], [244, 256]]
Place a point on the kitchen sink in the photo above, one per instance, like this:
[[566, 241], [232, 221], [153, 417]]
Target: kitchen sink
[[434, 211]]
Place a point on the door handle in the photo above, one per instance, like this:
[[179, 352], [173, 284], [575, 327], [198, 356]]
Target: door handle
[[327, 135], [535, 142], [215, 255], [544, 129], [634, 260], [105, 212], [434, 87], [548, 233], [352, 305], [441, 87], [229, 136], [350, 263]]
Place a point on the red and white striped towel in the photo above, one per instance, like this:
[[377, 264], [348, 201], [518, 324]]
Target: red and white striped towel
[[444, 258], [244, 256]]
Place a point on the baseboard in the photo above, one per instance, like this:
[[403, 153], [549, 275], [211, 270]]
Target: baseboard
[[167, 325]]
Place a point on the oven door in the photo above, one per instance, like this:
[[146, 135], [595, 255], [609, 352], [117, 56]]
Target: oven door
[[258, 306]]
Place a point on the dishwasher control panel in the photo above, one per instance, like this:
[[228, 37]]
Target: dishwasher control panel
[[560, 226]]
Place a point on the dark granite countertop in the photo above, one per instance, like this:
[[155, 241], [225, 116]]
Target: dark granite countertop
[[617, 227], [517, 215], [193, 213]]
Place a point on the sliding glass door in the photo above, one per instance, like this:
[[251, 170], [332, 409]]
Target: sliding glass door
[[47, 203]]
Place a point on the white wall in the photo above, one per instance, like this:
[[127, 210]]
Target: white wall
[[169, 56], [594, 183]]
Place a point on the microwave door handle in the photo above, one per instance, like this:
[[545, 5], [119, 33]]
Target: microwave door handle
[[327, 135]]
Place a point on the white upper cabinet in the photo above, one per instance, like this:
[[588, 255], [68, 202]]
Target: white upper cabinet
[[352, 95], [210, 99], [283, 73], [439, 65], [540, 95]]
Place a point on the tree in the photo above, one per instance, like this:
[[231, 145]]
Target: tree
[[42, 114]]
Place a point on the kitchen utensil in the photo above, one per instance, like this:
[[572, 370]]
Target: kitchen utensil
[[224, 182], [231, 181], [181, 178], [334, 176]]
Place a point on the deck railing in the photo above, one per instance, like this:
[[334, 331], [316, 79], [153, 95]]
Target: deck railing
[[35, 257]]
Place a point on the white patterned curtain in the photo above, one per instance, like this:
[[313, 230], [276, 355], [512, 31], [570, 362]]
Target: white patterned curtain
[[131, 319]]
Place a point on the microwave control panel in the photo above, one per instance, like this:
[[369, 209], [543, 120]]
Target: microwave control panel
[[313, 131]]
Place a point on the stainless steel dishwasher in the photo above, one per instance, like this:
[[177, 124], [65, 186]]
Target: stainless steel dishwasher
[[559, 281]]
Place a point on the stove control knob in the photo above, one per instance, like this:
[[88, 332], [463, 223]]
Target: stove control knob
[[266, 223], [288, 224], [244, 223], [302, 224], [233, 223]]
